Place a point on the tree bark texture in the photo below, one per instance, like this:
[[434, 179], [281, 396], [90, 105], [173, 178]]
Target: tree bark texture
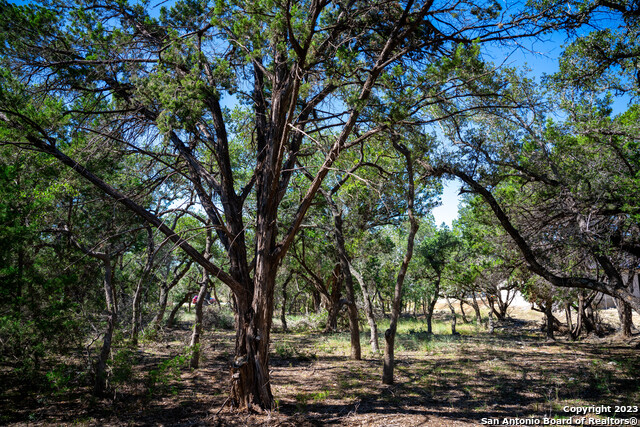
[[368, 309]]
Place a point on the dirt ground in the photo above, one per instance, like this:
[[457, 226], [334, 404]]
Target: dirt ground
[[440, 380]]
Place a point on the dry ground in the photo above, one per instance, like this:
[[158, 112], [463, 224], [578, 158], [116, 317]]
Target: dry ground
[[440, 380]]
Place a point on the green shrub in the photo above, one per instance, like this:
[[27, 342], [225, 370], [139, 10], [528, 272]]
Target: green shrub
[[59, 378], [215, 317], [160, 379], [310, 322], [286, 350], [122, 366]]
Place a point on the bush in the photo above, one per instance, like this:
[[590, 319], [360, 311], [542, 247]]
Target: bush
[[59, 378], [122, 366], [161, 377], [310, 322], [286, 350], [214, 317]]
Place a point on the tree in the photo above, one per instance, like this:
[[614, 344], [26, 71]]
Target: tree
[[565, 195], [112, 74], [41, 299], [390, 333], [435, 254]]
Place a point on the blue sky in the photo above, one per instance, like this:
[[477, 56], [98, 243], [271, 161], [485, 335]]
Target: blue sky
[[448, 211], [541, 57]]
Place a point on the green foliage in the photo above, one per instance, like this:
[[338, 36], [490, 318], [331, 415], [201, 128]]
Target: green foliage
[[121, 366], [164, 377], [218, 318], [288, 350], [39, 301], [284, 350], [307, 323], [59, 378]]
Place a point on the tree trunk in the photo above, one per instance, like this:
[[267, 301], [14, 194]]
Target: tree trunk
[[332, 317], [135, 316], [580, 318], [368, 309], [194, 344], [492, 305], [197, 325], [454, 320], [503, 304], [283, 311], [462, 313], [334, 302], [164, 295], [112, 319], [569, 320], [174, 312], [293, 305], [548, 313], [624, 313], [476, 308], [624, 309], [215, 294], [382, 303], [317, 301], [250, 369], [589, 320], [491, 322], [431, 305], [390, 334], [162, 307], [338, 235]]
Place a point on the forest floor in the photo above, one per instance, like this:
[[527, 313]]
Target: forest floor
[[440, 380]]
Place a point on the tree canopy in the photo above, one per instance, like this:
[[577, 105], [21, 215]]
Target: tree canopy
[[222, 127]]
